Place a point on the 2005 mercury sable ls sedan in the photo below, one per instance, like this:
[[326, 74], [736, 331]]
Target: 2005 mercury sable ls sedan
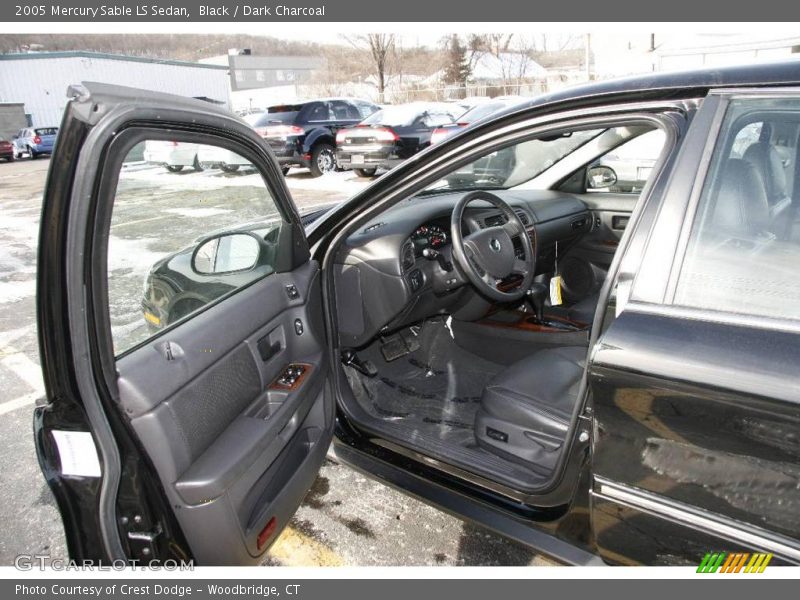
[[604, 376]]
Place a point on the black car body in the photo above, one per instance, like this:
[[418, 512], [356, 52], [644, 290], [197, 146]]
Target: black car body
[[651, 419], [391, 135], [304, 134]]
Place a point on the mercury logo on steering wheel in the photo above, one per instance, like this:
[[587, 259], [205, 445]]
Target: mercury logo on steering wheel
[[494, 244]]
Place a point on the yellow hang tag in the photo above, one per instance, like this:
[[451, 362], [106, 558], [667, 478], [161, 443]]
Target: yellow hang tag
[[555, 291]]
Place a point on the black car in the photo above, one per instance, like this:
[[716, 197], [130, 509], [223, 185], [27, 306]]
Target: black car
[[304, 134], [608, 377], [391, 135]]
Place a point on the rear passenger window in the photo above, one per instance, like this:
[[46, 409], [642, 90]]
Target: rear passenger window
[[365, 109], [319, 112], [744, 249], [191, 224], [344, 111]]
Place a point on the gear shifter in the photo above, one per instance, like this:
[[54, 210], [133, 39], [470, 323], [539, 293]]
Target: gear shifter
[[535, 296]]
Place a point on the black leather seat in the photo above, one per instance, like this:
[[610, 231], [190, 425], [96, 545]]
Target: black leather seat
[[769, 165], [525, 410]]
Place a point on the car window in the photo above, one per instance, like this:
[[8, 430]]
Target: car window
[[744, 246], [319, 111], [344, 111], [627, 168], [278, 115], [437, 119], [395, 116], [181, 237], [366, 109], [46, 131], [515, 165]]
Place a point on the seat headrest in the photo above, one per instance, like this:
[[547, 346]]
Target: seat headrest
[[764, 157], [741, 206]]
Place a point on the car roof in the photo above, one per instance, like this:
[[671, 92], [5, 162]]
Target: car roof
[[330, 99], [673, 84]]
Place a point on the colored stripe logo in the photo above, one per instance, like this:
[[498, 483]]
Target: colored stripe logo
[[734, 562]]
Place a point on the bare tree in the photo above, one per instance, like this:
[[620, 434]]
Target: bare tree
[[381, 47]]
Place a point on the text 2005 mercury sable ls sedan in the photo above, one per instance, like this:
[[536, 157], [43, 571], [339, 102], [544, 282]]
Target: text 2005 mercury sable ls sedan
[[604, 376]]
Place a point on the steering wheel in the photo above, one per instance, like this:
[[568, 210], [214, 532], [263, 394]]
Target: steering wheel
[[487, 256]]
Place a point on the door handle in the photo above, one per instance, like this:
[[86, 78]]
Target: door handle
[[267, 350]]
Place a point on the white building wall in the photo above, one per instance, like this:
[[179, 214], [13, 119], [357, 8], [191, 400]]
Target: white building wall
[[41, 83]]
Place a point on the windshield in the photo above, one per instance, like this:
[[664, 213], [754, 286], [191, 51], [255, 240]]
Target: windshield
[[277, 115], [481, 111], [515, 165], [396, 116]]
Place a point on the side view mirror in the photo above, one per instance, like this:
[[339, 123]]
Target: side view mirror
[[600, 177], [226, 253]]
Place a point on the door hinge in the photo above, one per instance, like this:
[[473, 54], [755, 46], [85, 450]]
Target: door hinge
[[142, 543]]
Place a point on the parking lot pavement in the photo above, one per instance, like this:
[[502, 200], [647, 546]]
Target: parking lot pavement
[[347, 519]]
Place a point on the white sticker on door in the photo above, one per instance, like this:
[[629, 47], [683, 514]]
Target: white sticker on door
[[77, 453]]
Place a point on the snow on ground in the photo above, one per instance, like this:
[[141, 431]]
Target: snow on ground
[[340, 184]]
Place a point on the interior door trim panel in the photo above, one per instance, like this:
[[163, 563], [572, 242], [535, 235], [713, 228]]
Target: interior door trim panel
[[233, 450]]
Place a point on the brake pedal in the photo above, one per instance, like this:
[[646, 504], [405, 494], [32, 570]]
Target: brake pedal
[[394, 347]]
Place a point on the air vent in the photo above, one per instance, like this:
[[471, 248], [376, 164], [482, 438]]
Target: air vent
[[407, 255], [523, 216]]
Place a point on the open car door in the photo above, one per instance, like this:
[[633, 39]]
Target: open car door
[[188, 405]]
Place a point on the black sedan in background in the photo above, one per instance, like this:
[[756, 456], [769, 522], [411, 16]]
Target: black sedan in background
[[474, 114], [391, 135], [303, 134]]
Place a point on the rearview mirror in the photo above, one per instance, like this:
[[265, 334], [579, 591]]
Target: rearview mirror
[[600, 177], [227, 253]]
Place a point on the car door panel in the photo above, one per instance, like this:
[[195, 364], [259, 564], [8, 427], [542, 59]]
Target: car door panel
[[711, 423], [234, 452], [695, 412], [219, 460]]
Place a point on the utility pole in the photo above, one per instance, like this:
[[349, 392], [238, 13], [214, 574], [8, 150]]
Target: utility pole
[[588, 57]]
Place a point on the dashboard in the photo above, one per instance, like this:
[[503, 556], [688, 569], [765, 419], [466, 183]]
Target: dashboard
[[383, 279], [430, 235]]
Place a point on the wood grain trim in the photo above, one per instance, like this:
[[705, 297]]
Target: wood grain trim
[[298, 382], [527, 322]]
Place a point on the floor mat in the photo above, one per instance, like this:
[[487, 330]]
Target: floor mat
[[435, 391]]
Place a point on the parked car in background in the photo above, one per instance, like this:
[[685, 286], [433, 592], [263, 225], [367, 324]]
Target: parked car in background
[[214, 157], [7, 150], [476, 113], [35, 141], [390, 136], [304, 134], [172, 155]]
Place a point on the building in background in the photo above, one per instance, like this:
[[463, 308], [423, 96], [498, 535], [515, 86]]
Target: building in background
[[40, 80], [259, 81], [646, 52], [714, 50], [12, 119]]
